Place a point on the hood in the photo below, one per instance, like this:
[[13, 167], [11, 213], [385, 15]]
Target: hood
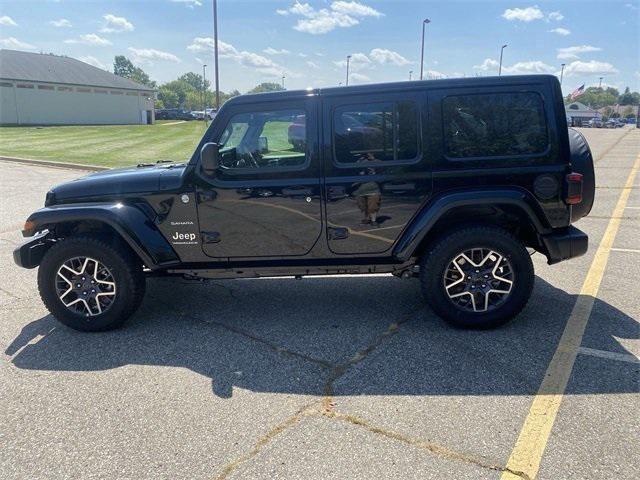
[[119, 182]]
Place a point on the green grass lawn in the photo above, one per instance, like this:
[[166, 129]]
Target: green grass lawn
[[108, 146]]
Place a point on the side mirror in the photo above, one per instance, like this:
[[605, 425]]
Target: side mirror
[[209, 158], [263, 144]]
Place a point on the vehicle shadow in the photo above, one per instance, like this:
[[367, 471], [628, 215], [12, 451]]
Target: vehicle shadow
[[285, 336]]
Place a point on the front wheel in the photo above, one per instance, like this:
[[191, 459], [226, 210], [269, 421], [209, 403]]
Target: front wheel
[[89, 284], [477, 277]]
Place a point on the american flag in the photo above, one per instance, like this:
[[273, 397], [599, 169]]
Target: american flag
[[577, 92]]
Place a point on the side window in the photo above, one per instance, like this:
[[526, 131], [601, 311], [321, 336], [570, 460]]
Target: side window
[[264, 140], [500, 124], [386, 131]]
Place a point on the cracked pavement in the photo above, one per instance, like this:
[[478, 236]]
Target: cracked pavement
[[350, 378]]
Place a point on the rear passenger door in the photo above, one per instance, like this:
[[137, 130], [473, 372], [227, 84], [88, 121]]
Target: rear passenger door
[[377, 172]]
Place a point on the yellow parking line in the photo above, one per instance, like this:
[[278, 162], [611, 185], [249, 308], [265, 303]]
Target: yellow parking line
[[529, 448]]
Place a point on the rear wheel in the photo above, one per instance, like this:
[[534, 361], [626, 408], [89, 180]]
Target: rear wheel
[[89, 284], [477, 277]]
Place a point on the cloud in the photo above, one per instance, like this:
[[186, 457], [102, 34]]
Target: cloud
[[93, 61], [116, 24], [568, 53], [273, 51], [528, 14], [7, 21], [303, 55], [557, 16], [520, 68], [488, 64], [589, 68], [62, 23], [359, 77], [90, 39], [383, 56], [313, 65], [340, 14], [189, 3], [262, 64], [15, 44], [149, 55], [358, 61], [561, 31], [434, 75]]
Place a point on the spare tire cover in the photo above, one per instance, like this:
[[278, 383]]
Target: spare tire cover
[[582, 162]]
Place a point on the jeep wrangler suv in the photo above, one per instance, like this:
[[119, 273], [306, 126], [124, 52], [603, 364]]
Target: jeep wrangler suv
[[454, 181]]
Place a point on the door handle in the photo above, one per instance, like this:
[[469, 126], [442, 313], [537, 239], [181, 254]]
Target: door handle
[[338, 233]]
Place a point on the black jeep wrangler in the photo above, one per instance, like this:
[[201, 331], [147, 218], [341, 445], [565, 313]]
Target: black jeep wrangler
[[449, 180]]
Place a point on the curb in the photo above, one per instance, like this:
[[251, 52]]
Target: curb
[[49, 163]]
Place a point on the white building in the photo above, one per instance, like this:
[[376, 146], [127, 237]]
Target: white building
[[578, 113], [40, 89]]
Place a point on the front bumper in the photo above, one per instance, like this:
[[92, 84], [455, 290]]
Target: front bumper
[[30, 253], [564, 244]]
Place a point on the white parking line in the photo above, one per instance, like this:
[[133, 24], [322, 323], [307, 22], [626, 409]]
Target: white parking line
[[633, 208], [630, 250], [173, 123], [622, 357]]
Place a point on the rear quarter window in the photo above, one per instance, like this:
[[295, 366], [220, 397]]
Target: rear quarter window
[[494, 125]]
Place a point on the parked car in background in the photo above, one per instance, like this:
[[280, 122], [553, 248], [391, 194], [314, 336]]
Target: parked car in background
[[211, 112], [198, 114], [611, 123], [595, 123], [173, 114]]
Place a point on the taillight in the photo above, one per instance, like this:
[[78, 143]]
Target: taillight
[[574, 188]]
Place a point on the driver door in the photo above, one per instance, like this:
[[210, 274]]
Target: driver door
[[265, 198]]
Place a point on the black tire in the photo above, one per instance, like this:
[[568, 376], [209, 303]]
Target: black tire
[[122, 264], [442, 253]]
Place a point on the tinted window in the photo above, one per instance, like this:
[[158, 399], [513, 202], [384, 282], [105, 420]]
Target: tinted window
[[494, 125], [264, 140], [376, 131]]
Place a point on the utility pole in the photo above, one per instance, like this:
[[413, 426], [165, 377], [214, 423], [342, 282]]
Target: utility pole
[[424, 25], [501, 51], [562, 72], [600, 84], [215, 52], [410, 75], [204, 93], [348, 60]]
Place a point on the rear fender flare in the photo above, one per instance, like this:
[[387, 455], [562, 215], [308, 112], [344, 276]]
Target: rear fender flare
[[130, 222], [432, 212]]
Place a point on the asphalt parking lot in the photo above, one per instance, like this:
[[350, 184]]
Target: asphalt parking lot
[[332, 377]]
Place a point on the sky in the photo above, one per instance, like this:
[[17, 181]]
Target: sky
[[308, 41]]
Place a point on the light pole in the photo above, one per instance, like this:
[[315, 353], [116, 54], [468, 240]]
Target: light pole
[[204, 93], [283, 77], [600, 84], [348, 60], [500, 67], [410, 75], [215, 51], [562, 72], [424, 25]]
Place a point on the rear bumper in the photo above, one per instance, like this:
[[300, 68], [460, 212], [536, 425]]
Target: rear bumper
[[30, 253], [564, 244]]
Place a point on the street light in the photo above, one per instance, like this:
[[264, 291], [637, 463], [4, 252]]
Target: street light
[[215, 51], [348, 60], [562, 72], [283, 77], [500, 67], [410, 75], [600, 84], [204, 92], [424, 25]]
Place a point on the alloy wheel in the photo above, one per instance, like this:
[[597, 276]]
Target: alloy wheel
[[478, 280], [85, 286]]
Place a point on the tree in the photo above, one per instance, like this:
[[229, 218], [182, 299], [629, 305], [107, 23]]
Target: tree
[[195, 80], [123, 67], [598, 97], [629, 98], [266, 87], [167, 98]]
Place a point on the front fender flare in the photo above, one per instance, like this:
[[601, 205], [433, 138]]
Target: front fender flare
[[426, 219], [130, 222]]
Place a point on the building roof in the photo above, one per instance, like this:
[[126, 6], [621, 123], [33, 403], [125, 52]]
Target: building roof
[[38, 67]]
